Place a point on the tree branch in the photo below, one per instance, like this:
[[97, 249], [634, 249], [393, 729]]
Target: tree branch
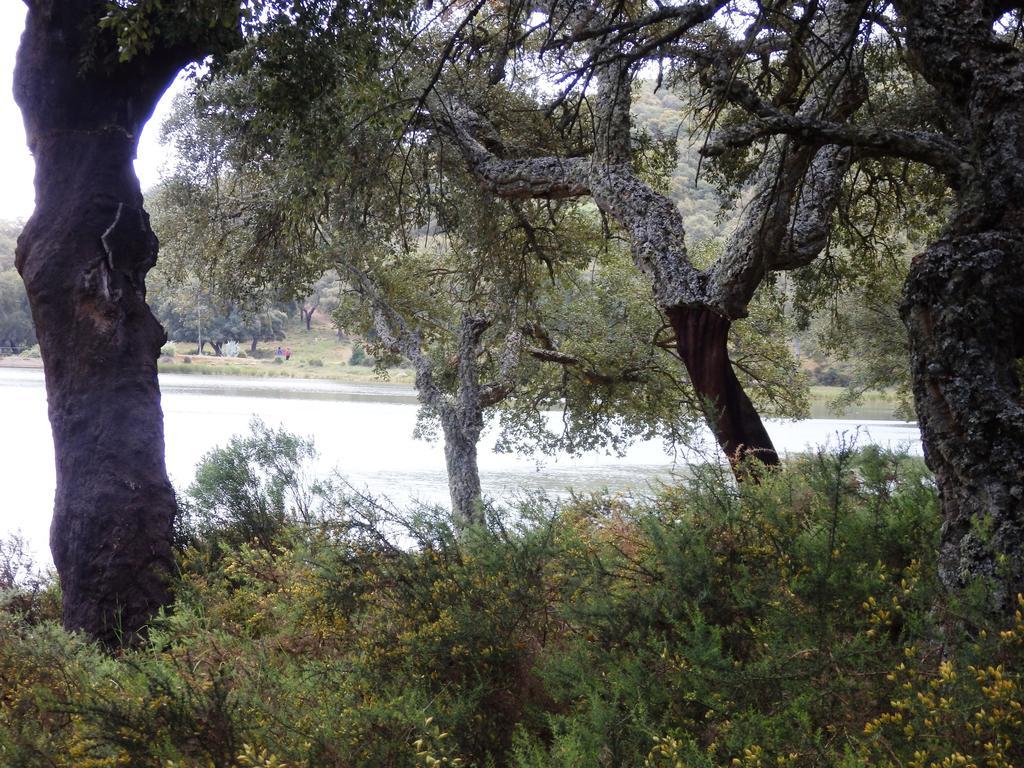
[[932, 149], [396, 336], [505, 383], [652, 220]]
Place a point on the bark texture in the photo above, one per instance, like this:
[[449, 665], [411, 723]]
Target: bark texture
[[84, 256], [964, 299], [964, 308]]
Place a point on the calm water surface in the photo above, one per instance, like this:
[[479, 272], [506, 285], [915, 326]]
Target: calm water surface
[[362, 431]]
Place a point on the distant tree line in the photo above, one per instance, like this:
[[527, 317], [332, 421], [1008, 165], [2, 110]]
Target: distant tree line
[[17, 331]]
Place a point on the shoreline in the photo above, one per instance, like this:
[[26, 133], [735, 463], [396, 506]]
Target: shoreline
[[21, 362], [255, 369], [402, 377]]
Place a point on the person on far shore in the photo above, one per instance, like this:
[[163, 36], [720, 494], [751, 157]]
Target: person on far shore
[[287, 353]]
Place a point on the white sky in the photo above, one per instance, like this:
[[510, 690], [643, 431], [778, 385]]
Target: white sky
[[16, 167]]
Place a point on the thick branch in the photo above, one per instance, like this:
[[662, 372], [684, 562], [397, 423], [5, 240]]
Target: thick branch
[[787, 221], [932, 149], [521, 179], [921, 146], [612, 124], [505, 382], [652, 220], [685, 16], [471, 330]]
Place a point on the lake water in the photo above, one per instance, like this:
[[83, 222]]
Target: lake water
[[362, 431]]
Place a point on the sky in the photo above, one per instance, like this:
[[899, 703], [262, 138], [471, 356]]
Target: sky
[[16, 166]]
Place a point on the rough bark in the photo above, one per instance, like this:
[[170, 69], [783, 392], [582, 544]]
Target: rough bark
[[964, 308], [964, 300], [84, 256], [461, 436]]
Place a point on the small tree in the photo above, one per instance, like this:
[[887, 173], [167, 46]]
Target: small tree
[[496, 334]]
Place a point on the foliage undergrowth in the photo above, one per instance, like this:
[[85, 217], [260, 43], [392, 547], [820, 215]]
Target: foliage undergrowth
[[795, 622]]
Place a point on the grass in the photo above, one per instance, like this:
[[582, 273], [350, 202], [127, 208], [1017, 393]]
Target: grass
[[820, 392], [316, 354], [319, 354], [871, 405]]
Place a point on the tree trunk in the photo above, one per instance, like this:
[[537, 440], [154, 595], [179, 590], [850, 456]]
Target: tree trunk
[[252, 347], [963, 301], [83, 256], [460, 455], [964, 309], [701, 339], [309, 320], [217, 346]]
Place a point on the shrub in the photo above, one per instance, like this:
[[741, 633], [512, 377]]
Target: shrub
[[32, 353], [186, 359], [242, 354], [315, 362], [359, 356], [278, 360], [245, 492], [830, 377], [797, 622], [168, 350], [25, 590]]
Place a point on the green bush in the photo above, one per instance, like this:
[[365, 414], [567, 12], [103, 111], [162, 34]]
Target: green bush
[[359, 356], [795, 622], [32, 353], [245, 492], [315, 362], [168, 350]]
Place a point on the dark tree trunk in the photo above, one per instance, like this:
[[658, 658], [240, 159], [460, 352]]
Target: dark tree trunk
[[252, 347], [460, 455], [701, 339], [964, 308], [217, 346], [84, 256], [964, 300], [309, 320]]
